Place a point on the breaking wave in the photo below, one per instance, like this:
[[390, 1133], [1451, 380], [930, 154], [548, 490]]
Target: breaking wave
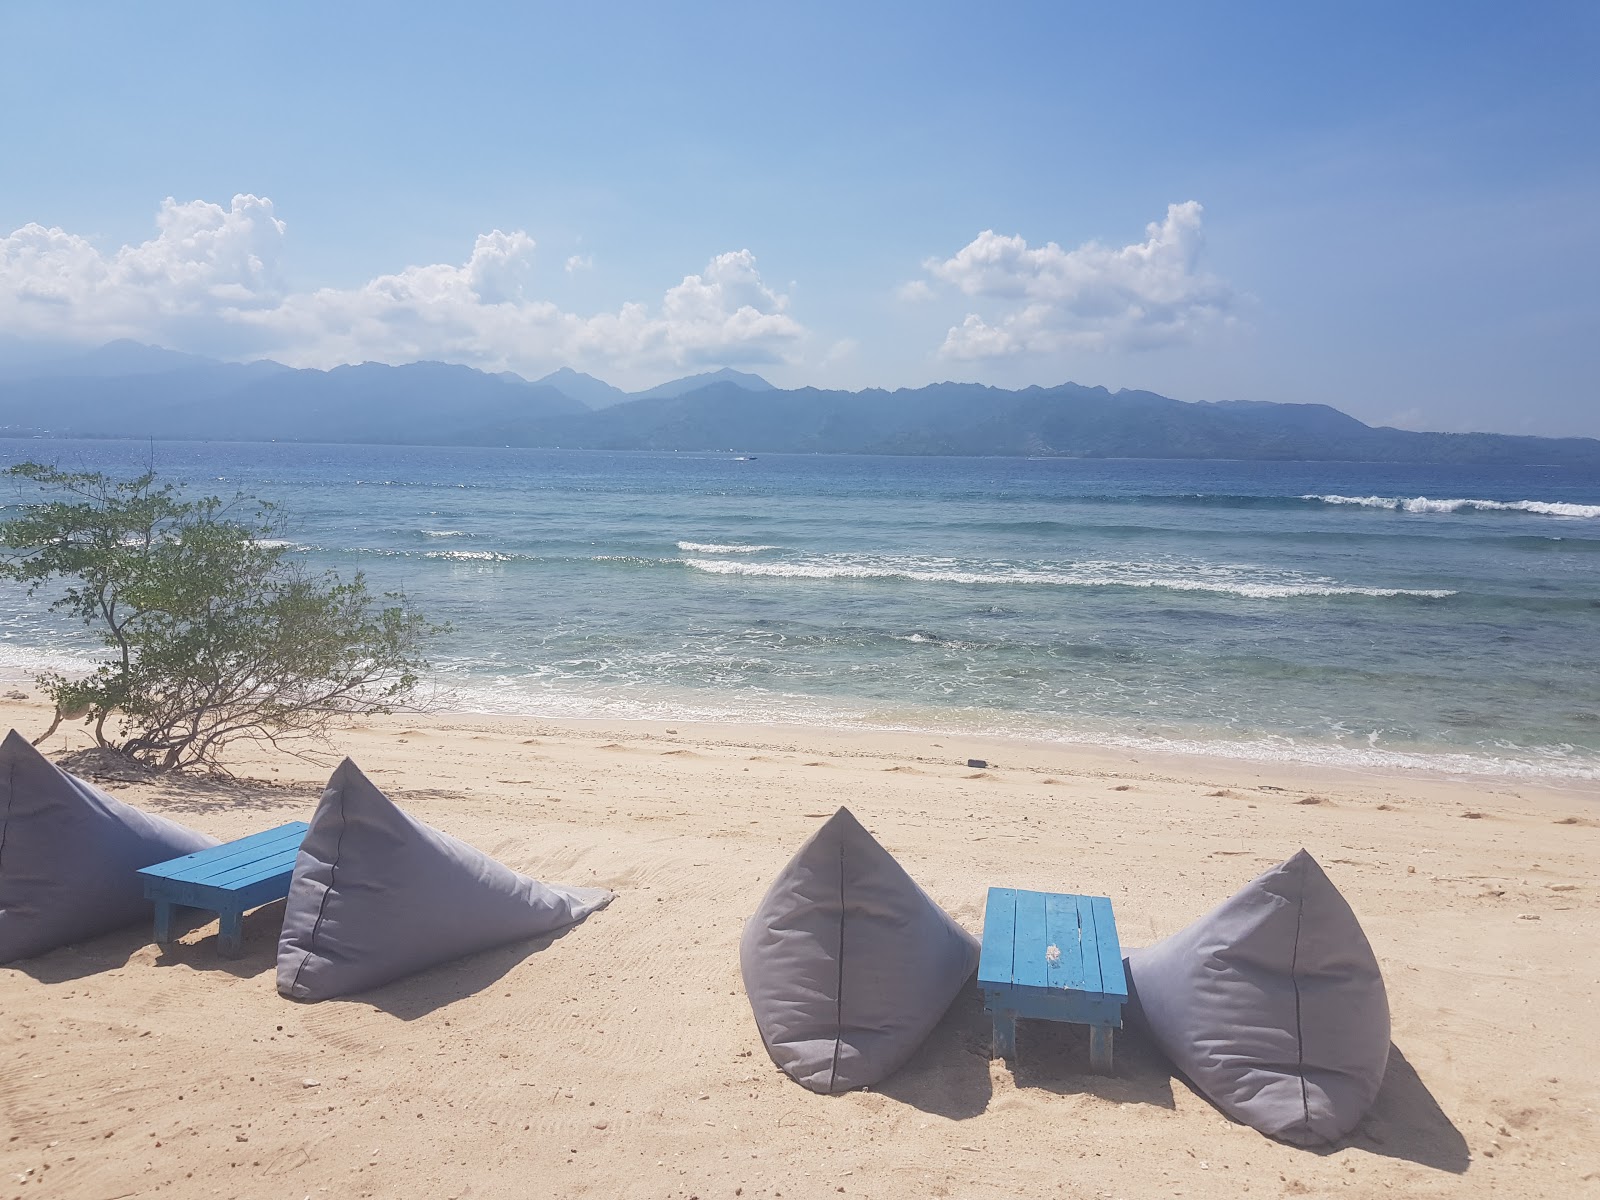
[[474, 555], [1233, 581], [720, 548], [1424, 504]]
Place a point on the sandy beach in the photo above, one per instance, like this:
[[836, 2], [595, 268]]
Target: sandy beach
[[621, 1059]]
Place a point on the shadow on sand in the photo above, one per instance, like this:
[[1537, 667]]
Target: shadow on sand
[[949, 1074], [1405, 1121], [113, 950], [949, 1077], [409, 998], [437, 987], [260, 956]]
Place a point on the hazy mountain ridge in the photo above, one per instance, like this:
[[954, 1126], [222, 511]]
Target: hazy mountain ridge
[[127, 390]]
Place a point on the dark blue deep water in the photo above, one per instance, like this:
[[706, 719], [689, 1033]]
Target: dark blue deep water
[[1442, 618]]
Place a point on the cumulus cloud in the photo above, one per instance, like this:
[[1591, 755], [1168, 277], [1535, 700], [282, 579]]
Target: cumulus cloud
[[209, 282], [1046, 299], [205, 260], [579, 262]]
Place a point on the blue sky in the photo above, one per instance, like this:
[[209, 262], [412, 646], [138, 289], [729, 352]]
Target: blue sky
[[1390, 208]]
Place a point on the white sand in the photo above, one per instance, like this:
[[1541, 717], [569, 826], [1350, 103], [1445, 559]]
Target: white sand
[[621, 1059]]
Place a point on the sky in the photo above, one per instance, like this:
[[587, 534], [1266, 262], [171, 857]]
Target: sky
[[1390, 208]]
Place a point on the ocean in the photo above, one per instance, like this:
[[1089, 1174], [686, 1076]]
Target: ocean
[[1417, 617]]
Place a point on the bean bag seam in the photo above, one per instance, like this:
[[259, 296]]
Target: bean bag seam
[[1294, 979], [838, 993]]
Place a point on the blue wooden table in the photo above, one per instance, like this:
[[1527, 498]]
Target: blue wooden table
[[1054, 958], [226, 880]]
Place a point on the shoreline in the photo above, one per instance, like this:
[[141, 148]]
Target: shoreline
[[1258, 752]]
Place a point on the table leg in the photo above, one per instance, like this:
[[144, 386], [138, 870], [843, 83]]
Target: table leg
[[163, 922], [230, 933], [1100, 1048], [1005, 1035]]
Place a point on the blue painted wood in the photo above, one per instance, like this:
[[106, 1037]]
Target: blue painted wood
[[1081, 982], [1077, 1010], [230, 932], [163, 922], [1088, 944], [234, 861], [999, 940], [1027, 965], [1100, 1048], [227, 880], [1113, 978], [1067, 938], [1005, 1035], [243, 848]]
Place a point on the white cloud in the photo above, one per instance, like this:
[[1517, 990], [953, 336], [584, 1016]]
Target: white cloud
[[203, 261], [1047, 299], [914, 291], [580, 262], [208, 282]]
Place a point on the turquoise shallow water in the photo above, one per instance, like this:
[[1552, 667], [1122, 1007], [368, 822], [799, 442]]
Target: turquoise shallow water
[[1442, 618]]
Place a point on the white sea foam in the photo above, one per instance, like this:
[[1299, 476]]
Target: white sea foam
[[1234, 581], [720, 548], [444, 533], [511, 694], [1424, 504], [1550, 763], [19, 662], [471, 555]]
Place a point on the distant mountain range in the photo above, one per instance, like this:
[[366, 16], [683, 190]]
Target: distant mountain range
[[125, 389]]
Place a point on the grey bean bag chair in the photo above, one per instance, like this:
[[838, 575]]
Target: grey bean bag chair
[[377, 895], [1273, 1006], [848, 964], [69, 854]]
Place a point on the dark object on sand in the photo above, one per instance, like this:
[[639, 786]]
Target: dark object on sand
[[979, 763]]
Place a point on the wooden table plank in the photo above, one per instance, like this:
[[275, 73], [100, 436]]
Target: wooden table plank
[[238, 876], [1091, 945], [999, 936], [1028, 965], [1066, 935], [1113, 979], [205, 862]]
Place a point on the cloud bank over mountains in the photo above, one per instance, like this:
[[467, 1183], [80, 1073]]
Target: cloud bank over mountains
[[211, 281], [1142, 296]]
